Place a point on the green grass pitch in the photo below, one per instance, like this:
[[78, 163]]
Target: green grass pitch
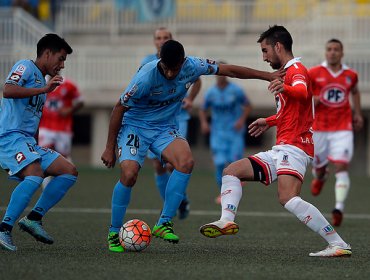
[[271, 243]]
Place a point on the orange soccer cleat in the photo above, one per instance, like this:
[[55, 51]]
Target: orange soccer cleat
[[316, 186]]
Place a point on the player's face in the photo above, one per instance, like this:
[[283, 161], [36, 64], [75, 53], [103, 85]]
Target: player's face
[[269, 55], [55, 62], [161, 37], [333, 53], [170, 73]]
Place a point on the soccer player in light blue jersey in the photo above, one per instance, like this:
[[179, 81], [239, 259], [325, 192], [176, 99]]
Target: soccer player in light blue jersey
[[229, 108], [150, 105], [23, 99], [162, 173]]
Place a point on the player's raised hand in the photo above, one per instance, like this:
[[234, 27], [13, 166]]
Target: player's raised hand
[[258, 127], [276, 86], [53, 83], [109, 158]]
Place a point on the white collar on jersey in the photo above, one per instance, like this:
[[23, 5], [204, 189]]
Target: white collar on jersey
[[334, 74], [292, 61]]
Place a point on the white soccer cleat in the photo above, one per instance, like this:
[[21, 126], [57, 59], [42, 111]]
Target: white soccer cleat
[[218, 228], [334, 251]]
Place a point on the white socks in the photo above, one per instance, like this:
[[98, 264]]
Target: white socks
[[342, 186], [311, 216], [231, 193]]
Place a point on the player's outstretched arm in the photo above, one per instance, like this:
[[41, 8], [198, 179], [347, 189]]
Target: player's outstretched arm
[[240, 72], [109, 155], [16, 91]]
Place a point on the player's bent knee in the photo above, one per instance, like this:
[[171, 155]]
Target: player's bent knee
[[186, 166], [128, 178]]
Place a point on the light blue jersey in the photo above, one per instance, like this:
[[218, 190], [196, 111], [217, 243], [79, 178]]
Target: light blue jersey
[[23, 114], [226, 104], [19, 121], [156, 101]]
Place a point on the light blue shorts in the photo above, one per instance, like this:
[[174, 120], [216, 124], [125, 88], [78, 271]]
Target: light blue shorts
[[134, 142], [226, 147], [18, 151], [183, 129]]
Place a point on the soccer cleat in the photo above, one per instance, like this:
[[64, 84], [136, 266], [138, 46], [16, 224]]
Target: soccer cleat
[[316, 186], [36, 230], [334, 251], [337, 217], [184, 209], [165, 231], [218, 228], [113, 243], [6, 241]]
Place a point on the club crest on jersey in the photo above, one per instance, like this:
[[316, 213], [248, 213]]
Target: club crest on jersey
[[133, 151], [19, 157]]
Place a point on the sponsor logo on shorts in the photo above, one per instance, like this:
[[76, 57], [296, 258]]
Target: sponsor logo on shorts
[[19, 157], [187, 85], [285, 160]]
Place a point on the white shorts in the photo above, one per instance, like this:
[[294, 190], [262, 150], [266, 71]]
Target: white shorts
[[57, 140], [282, 160], [335, 146]]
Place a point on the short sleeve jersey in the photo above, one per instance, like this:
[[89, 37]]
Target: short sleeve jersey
[[294, 117], [154, 100], [23, 114], [334, 110], [63, 96], [226, 105]]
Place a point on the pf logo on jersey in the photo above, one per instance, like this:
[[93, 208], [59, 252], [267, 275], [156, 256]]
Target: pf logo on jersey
[[333, 95]]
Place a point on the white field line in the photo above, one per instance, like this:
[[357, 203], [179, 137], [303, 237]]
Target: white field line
[[192, 212]]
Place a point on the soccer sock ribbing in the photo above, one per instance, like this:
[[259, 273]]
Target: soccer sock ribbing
[[175, 190], [161, 181], [219, 170], [342, 186], [231, 194], [120, 200], [52, 194], [20, 198], [312, 217]]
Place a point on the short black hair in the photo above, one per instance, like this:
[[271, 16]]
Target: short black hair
[[334, 40], [172, 53], [52, 42], [277, 33]]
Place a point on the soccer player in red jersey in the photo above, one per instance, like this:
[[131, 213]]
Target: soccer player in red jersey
[[55, 129], [332, 84], [287, 161]]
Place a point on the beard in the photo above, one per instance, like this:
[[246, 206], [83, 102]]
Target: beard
[[275, 65]]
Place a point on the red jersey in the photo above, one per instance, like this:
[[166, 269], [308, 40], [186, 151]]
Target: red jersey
[[294, 115], [334, 110], [63, 96]]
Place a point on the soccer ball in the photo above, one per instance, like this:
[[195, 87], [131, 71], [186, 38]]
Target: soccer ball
[[135, 235]]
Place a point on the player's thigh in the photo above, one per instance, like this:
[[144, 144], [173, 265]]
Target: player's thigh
[[179, 155], [133, 143], [321, 149], [241, 169], [61, 166], [341, 147]]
